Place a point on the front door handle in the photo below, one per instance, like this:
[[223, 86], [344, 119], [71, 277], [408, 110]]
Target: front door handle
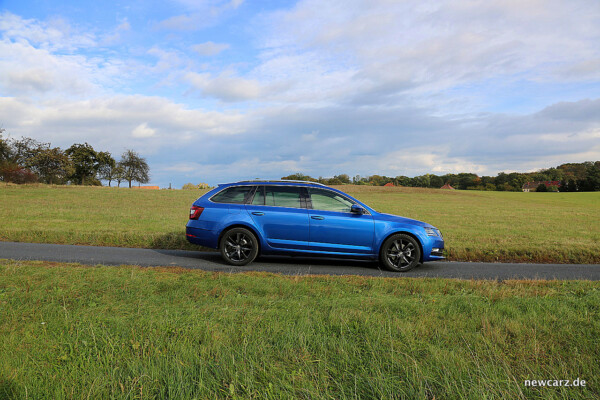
[[317, 217], [258, 213]]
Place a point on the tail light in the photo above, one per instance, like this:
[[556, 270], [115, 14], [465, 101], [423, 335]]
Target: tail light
[[195, 212]]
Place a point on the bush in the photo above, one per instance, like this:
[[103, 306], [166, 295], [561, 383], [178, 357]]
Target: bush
[[191, 186], [15, 174]]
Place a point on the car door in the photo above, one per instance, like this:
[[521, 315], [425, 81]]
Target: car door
[[333, 228], [280, 213]]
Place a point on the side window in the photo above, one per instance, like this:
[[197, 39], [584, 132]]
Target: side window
[[283, 196], [259, 196], [234, 195], [326, 200]]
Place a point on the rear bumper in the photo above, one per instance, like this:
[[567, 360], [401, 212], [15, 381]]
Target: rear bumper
[[202, 237]]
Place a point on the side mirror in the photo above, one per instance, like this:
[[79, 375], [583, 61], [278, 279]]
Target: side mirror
[[356, 209]]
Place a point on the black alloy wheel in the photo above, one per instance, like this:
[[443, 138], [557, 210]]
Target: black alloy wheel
[[400, 253], [239, 246]]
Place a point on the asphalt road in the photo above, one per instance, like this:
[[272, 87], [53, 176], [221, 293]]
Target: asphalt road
[[211, 261]]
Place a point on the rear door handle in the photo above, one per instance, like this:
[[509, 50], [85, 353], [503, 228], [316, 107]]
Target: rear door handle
[[317, 217], [258, 213]]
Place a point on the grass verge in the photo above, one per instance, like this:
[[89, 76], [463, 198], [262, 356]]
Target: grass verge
[[68, 331]]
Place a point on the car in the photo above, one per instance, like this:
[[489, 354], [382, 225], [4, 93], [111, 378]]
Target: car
[[271, 217]]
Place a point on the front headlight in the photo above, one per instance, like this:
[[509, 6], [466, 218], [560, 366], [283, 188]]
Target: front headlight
[[433, 232]]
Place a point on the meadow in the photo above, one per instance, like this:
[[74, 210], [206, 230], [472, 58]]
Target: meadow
[[477, 225], [70, 332]]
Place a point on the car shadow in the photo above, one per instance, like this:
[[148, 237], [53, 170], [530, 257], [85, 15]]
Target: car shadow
[[296, 265]]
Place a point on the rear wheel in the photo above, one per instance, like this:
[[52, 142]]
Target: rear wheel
[[400, 253], [239, 246]]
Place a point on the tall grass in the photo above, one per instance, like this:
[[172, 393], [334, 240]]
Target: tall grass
[[485, 226], [68, 331]]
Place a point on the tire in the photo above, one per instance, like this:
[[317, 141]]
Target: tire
[[239, 246], [400, 253]]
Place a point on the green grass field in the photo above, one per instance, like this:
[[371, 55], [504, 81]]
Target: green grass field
[[74, 332], [477, 226]]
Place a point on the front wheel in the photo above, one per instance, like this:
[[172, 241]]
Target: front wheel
[[400, 253], [239, 246]]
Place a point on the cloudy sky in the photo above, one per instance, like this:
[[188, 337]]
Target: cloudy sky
[[220, 90]]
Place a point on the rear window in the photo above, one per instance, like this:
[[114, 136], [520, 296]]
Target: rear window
[[234, 195]]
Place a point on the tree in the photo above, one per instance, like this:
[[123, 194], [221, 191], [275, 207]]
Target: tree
[[5, 148], [592, 178], [119, 173], [24, 149], [15, 156], [466, 180], [343, 178], [571, 186], [51, 165], [421, 181], [107, 166], [541, 188], [298, 176], [403, 181], [85, 162], [435, 181], [135, 168]]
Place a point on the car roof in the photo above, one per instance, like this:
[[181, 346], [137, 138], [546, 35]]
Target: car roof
[[286, 182], [274, 181]]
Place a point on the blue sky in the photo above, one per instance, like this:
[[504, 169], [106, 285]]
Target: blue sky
[[213, 91]]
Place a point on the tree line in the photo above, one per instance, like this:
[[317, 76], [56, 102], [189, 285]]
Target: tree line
[[571, 176], [26, 160]]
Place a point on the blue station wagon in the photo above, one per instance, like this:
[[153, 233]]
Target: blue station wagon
[[249, 218]]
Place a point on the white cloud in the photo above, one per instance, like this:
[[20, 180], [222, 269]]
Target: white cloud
[[182, 22], [143, 131], [381, 51], [26, 70], [113, 122], [43, 59], [55, 34], [226, 87], [115, 36], [396, 88], [209, 48], [201, 15]]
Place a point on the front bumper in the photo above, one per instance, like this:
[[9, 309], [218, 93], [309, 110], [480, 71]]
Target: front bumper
[[434, 251]]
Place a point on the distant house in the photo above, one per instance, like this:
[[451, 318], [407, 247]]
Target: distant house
[[531, 186], [389, 184], [447, 186]]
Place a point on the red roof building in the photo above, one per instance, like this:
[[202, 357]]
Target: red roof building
[[447, 186], [389, 184]]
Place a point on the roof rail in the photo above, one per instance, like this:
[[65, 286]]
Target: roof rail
[[279, 180]]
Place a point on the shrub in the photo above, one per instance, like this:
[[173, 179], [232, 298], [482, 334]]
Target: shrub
[[15, 174], [191, 186]]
